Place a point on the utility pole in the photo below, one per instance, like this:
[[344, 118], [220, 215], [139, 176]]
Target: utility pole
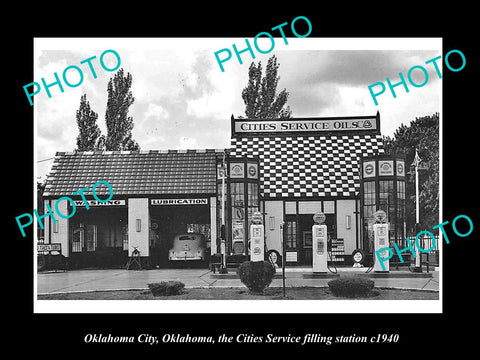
[[416, 162], [223, 250]]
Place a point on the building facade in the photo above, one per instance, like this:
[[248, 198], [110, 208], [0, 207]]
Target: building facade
[[286, 169], [156, 195], [307, 165]]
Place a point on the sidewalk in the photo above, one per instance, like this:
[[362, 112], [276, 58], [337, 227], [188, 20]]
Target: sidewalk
[[119, 279]]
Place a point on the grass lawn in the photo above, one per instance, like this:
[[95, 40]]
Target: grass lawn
[[298, 293]]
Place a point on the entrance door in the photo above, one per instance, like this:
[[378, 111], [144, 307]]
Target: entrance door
[[305, 239], [298, 239], [291, 243]]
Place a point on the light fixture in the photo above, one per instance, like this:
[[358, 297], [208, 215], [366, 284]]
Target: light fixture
[[271, 223], [348, 221]]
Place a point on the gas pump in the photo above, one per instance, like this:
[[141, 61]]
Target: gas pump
[[319, 244], [257, 238], [380, 240]]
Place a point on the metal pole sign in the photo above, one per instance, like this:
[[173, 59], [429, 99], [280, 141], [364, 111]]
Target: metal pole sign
[[48, 248], [223, 248], [282, 234]]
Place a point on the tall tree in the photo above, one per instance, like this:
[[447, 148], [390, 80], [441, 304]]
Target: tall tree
[[260, 95], [119, 124], [423, 135], [87, 126]]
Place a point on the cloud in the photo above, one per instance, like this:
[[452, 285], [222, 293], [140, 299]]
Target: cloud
[[156, 111], [186, 142], [348, 67], [183, 100]]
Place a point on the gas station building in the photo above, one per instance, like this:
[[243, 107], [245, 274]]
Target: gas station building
[[288, 169]]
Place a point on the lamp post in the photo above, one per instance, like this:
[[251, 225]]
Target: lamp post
[[223, 269], [417, 167]]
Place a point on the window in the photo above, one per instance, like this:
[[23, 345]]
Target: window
[[369, 199], [386, 199], [91, 237], [253, 195], [386, 203], [400, 209], [290, 207], [124, 232], [252, 202], [237, 196], [77, 239], [290, 235], [219, 209]]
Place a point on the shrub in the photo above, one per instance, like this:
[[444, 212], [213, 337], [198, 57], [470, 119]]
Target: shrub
[[256, 276], [351, 286], [166, 288]]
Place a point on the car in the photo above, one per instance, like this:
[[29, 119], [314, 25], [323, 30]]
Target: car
[[188, 247]]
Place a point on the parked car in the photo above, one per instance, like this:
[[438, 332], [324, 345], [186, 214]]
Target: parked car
[[188, 247]]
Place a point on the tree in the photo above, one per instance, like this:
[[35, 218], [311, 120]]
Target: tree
[[260, 95], [87, 126], [40, 206], [119, 124], [423, 135]]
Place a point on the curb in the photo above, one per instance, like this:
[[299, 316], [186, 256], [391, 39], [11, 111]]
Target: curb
[[231, 287]]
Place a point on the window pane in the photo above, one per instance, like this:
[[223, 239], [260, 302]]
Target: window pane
[[253, 195], [291, 235]]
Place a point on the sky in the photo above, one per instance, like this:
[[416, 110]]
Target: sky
[[184, 101]]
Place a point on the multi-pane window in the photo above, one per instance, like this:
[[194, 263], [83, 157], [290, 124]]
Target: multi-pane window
[[252, 202], [124, 232], [77, 239], [91, 237], [84, 238], [290, 235], [369, 199], [386, 199], [400, 209]]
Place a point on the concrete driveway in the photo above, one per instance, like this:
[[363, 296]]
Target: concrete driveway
[[115, 279]]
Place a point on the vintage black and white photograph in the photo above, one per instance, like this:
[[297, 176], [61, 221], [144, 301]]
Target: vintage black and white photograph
[[274, 169]]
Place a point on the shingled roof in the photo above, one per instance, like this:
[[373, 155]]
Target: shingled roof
[[134, 173]]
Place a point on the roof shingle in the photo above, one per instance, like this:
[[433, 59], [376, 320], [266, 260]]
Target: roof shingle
[[133, 173]]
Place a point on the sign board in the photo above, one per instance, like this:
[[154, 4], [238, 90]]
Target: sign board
[[380, 216], [338, 250], [357, 256], [98, 203], [252, 171], [319, 218], [385, 167], [305, 125], [49, 247], [257, 217], [291, 256], [238, 231], [237, 170], [400, 168], [238, 213], [368, 169], [179, 202]]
